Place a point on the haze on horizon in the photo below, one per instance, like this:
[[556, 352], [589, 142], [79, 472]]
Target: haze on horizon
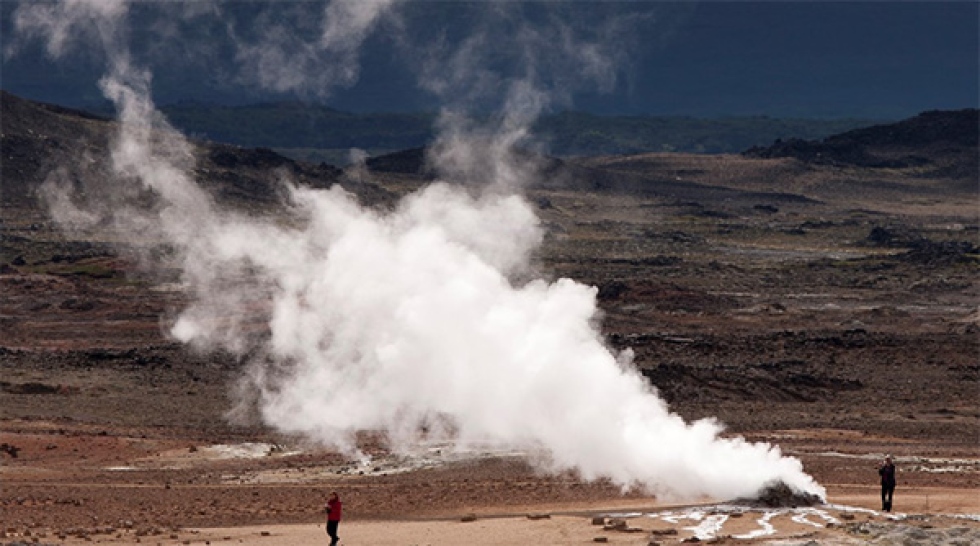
[[882, 60]]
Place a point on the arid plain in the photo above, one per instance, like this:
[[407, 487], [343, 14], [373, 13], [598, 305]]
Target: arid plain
[[821, 303]]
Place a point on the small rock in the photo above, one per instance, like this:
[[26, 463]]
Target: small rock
[[600, 539], [468, 518], [615, 524]]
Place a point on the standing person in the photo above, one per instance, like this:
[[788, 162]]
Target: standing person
[[887, 473], [333, 517]]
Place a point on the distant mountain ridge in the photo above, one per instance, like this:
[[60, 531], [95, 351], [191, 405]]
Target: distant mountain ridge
[[941, 143], [37, 138], [290, 125]]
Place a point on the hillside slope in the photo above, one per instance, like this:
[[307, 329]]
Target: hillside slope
[[38, 139], [935, 143]]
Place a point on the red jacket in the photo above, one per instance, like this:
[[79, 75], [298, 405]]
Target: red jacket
[[333, 510]]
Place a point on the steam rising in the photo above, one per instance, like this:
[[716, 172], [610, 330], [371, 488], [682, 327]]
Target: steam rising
[[63, 23], [283, 61], [414, 321]]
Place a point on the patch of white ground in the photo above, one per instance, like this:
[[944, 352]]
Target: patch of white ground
[[424, 456], [832, 525]]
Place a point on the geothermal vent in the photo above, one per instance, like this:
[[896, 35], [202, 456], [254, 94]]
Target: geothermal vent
[[779, 495]]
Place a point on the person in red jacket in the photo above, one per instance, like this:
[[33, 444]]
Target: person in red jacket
[[333, 517]]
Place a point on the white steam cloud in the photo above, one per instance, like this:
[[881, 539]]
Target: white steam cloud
[[282, 60], [69, 22], [413, 320]]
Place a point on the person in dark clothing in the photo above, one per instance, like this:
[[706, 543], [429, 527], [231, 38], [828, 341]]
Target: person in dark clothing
[[887, 473], [333, 517]]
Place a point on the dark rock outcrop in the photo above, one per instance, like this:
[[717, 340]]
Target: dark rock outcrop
[[780, 495]]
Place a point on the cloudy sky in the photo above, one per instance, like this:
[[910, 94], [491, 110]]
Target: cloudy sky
[[880, 59]]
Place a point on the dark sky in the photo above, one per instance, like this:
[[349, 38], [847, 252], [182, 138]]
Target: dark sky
[[801, 59], [830, 58]]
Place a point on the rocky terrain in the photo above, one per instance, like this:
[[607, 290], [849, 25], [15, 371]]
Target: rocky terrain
[[803, 294]]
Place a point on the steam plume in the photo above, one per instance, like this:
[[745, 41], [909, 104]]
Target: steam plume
[[60, 24], [414, 319], [283, 61]]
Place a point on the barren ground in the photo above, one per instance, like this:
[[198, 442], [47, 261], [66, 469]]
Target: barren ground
[[769, 303]]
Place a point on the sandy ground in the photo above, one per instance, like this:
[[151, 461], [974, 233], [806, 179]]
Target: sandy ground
[[848, 518], [75, 484]]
